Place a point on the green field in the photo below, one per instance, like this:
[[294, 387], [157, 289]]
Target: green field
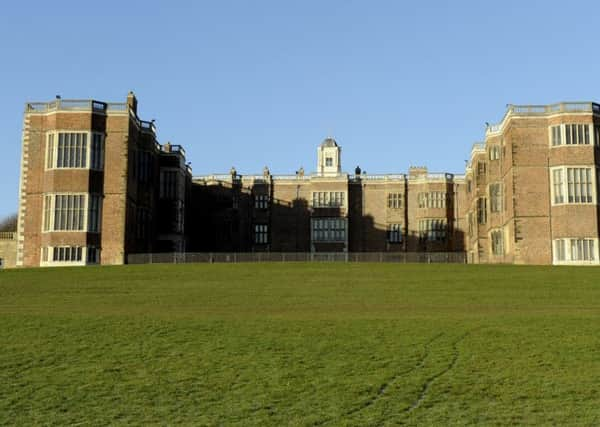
[[300, 344]]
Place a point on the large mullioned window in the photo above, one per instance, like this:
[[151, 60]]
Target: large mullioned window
[[261, 201], [328, 199], [394, 233], [574, 134], [394, 200], [432, 199], [496, 197], [261, 234], [497, 240], [573, 185], [74, 255], [72, 212], [575, 250], [433, 229], [75, 150], [328, 229], [169, 184]]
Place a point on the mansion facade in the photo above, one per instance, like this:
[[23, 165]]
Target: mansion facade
[[97, 186]]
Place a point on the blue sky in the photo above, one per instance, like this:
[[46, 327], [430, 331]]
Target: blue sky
[[250, 84]]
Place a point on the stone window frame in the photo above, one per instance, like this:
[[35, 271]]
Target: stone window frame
[[394, 233], [432, 199], [47, 255], [496, 197], [261, 234], [261, 201], [91, 162], [394, 200], [329, 199], [329, 229], [566, 249], [494, 152], [49, 212], [497, 242], [433, 229], [565, 185], [593, 135]]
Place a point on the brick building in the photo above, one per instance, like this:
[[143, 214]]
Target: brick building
[[532, 187], [331, 211], [97, 186], [89, 190]]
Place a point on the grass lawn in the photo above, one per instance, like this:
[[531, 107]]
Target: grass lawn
[[300, 344]]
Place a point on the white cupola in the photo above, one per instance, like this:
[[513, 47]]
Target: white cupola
[[329, 158]]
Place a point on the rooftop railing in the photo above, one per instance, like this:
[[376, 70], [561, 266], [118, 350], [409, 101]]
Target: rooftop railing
[[364, 177], [290, 177], [541, 110], [172, 148], [8, 235], [75, 105], [85, 105]]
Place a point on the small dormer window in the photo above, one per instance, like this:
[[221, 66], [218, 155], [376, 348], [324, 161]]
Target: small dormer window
[[328, 161]]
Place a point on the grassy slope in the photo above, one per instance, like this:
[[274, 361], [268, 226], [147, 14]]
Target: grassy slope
[[300, 344]]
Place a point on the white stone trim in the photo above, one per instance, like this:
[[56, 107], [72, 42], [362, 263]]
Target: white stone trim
[[23, 191]]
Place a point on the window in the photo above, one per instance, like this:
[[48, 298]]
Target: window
[[572, 134], [577, 134], [261, 234], [582, 250], [143, 166], [494, 152], [71, 150], [432, 229], [432, 199], [597, 134], [394, 200], [70, 255], [66, 254], [497, 239], [93, 255], [470, 223], [69, 212], [261, 201], [481, 170], [328, 161], [142, 222], [481, 210], [469, 185], [168, 184], [559, 250], [50, 152], [575, 250], [97, 155], [557, 185], [72, 212], [328, 199], [94, 214], [329, 230], [395, 233], [578, 187], [556, 135], [496, 197]]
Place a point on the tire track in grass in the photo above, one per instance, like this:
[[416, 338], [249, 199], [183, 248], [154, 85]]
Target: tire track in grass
[[425, 389], [383, 388]]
